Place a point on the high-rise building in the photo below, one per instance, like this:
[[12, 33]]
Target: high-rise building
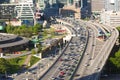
[[97, 5], [113, 5], [7, 11], [4, 1], [111, 18], [43, 4], [25, 10]]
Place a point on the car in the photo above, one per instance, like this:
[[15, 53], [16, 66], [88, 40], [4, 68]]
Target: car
[[76, 75], [60, 68], [73, 66], [55, 78], [97, 68], [62, 73], [90, 58], [87, 64], [69, 73], [60, 59]]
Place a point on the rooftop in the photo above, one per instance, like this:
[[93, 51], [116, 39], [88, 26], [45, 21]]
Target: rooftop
[[9, 40]]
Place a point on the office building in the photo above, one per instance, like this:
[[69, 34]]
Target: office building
[[72, 10], [4, 1], [97, 5], [48, 7], [7, 11], [66, 2], [43, 4], [110, 18], [111, 14], [113, 5], [25, 11]]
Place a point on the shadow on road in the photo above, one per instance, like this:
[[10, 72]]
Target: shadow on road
[[88, 77]]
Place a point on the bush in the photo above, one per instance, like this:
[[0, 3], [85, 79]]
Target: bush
[[33, 60]]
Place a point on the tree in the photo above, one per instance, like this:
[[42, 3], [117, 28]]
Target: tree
[[37, 28], [33, 51], [4, 65], [9, 29], [118, 28], [52, 30], [39, 48], [116, 60]]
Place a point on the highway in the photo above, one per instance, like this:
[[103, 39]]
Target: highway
[[86, 53], [66, 65], [101, 52]]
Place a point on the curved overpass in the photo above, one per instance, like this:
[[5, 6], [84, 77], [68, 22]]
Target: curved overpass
[[92, 68]]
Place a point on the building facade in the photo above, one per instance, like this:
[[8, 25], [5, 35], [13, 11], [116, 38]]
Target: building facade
[[25, 11], [97, 5], [113, 5], [111, 14], [7, 11], [110, 18], [43, 4]]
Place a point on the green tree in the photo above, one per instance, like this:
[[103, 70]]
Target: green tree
[[52, 30], [37, 28], [116, 59], [9, 29], [39, 48], [22, 27], [4, 65], [33, 51]]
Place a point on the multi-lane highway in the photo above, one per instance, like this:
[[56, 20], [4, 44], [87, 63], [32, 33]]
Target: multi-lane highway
[[86, 53], [66, 65], [92, 70], [95, 56]]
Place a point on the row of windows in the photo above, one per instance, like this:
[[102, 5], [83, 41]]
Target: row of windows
[[25, 5]]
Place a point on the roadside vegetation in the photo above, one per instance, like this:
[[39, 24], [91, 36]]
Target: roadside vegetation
[[15, 64], [118, 28], [114, 63], [11, 65], [33, 60], [25, 31]]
